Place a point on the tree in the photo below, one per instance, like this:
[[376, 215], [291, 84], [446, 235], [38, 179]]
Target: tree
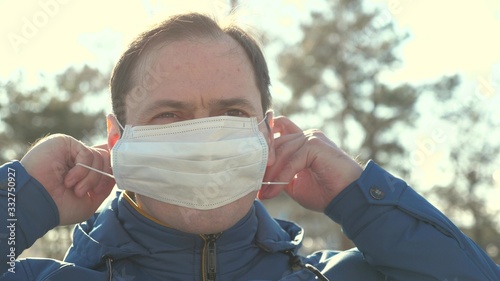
[[53, 107], [474, 156], [334, 75], [29, 114]]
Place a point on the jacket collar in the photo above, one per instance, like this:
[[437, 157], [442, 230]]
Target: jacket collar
[[121, 232]]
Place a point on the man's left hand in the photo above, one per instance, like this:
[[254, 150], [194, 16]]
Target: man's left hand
[[316, 169]]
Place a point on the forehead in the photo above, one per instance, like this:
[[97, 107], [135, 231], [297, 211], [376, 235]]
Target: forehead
[[197, 52], [165, 59], [194, 68]]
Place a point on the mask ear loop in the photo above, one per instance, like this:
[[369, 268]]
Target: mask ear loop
[[95, 170], [99, 171], [269, 128], [121, 126], [263, 119], [113, 177]]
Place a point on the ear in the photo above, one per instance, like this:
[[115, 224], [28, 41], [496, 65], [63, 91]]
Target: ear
[[114, 132], [270, 138]]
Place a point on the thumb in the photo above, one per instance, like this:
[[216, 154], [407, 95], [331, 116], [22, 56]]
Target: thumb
[[269, 191]]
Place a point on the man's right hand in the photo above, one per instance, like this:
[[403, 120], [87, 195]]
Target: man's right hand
[[77, 191]]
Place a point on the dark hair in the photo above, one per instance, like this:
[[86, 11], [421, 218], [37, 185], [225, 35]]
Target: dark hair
[[192, 25]]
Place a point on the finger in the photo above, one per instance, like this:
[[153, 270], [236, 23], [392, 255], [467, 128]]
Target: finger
[[283, 139], [80, 178], [105, 184], [99, 194], [286, 149], [283, 152], [103, 146], [291, 158], [104, 187], [79, 153], [268, 191], [93, 178], [296, 153], [106, 157], [285, 126]]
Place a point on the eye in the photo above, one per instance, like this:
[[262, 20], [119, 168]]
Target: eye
[[236, 112], [166, 115]]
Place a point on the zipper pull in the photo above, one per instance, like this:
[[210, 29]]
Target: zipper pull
[[210, 256]]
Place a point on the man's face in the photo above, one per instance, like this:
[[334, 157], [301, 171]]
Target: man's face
[[195, 79]]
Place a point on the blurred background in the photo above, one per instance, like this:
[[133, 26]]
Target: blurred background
[[413, 85]]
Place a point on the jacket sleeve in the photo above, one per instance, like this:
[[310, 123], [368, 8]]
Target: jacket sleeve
[[27, 212], [402, 235]]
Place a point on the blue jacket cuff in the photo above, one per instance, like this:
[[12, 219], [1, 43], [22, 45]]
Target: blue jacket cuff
[[372, 194], [32, 209]]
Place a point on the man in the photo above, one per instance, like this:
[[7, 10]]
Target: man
[[192, 144]]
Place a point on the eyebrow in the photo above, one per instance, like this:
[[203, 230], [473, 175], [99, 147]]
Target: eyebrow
[[218, 103], [241, 102], [174, 104]]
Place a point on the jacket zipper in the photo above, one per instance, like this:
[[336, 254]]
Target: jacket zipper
[[209, 256]]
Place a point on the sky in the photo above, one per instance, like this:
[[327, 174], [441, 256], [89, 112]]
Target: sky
[[446, 37], [48, 35]]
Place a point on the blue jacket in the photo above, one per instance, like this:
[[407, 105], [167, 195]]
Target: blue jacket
[[398, 234]]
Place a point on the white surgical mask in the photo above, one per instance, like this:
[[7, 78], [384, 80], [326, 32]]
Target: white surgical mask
[[201, 163]]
